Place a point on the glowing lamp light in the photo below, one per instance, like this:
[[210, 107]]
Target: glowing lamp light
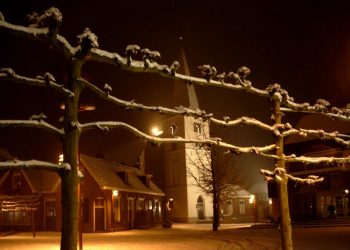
[[346, 191], [270, 201], [156, 132], [60, 159], [251, 198], [115, 193]]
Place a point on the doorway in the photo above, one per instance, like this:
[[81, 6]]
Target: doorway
[[50, 215], [200, 208], [99, 214], [131, 212]]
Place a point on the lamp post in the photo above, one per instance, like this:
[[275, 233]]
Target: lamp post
[[252, 202], [115, 194], [346, 191]]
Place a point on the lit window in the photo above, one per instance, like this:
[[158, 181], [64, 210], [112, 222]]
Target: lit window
[[197, 127]]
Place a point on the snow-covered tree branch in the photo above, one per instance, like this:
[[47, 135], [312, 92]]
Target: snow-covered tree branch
[[43, 28], [47, 80], [320, 133], [132, 105], [33, 164], [107, 125], [278, 173], [35, 121], [318, 160], [242, 121]]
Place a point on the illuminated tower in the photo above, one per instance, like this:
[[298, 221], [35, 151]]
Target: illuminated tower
[[190, 204]]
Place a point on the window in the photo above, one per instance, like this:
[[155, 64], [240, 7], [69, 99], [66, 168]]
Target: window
[[17, 218], [86, 210], [197, 127], [140, 204], [124, 176], [99, 202], [117, 209], [241, 207]]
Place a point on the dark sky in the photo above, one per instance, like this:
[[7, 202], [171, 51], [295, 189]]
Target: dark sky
[[303, 45]]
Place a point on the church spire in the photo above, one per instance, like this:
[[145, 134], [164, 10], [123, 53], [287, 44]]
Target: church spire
[[184, 94]]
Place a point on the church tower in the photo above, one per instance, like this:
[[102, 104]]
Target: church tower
[[189, 202]]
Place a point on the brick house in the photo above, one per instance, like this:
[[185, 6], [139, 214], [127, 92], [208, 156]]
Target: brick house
[[113, 196]]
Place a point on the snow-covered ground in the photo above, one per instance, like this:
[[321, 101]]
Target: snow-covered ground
[[189, 237], [180, 237]]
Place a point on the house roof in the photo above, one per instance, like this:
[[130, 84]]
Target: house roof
[[42, 181], [105, 174]]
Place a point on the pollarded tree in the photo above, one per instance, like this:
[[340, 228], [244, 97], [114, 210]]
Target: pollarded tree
[[45, 27]]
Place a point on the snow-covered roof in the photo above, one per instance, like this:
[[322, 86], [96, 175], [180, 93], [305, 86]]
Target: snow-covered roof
[[105, 173]]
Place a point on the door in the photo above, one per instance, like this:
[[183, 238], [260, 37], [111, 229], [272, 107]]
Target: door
[[50, 215], [200, 208], [99, 214], [131, 212]]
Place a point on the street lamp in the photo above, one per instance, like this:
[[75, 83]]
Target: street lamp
[[156, 131], [346, 191], [252, 202], [115, 194]]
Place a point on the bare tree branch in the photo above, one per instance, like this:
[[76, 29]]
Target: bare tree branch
[[131, 105], [40, 81], [107, 125], [32, 124], [33, 164]]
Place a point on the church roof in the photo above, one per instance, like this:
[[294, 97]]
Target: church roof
[[105, 173]]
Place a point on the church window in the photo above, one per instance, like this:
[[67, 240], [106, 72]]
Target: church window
[[197, 127]]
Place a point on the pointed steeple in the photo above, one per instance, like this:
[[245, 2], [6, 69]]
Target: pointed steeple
[[184, 94]]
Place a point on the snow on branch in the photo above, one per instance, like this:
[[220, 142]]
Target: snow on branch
[[47, 80], [35, 121], [152, 66], [44, 28], [132, 105], [345, 116], [33, 164], [242, 121], [340, 161], [107, 125], [335, 136], [278, 174]]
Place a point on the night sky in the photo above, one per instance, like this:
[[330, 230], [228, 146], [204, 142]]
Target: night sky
[[302, 45]]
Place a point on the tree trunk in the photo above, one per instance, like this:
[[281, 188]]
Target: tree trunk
[[285, 222], [215, 211], [70, 180]]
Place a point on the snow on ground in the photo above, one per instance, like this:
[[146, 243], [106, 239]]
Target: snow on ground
[[180, 237]]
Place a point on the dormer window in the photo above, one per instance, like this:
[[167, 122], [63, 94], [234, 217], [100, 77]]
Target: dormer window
[[124, 176], [145, 179]]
